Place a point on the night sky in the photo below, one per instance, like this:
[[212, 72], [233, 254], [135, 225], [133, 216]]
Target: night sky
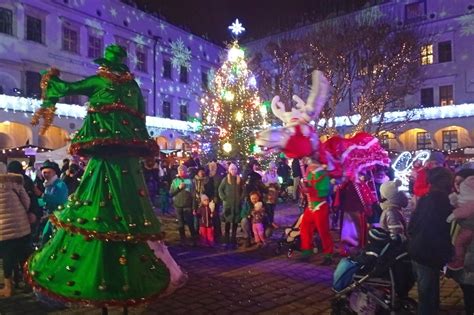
[[211, 17]]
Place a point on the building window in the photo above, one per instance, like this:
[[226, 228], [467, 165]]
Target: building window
[[446, 95], [167, 74], [141, 60], [70, 40], [427, 54], [166, 108], [423, 140], [444, 52], [450, 140], [415, 11], [183, 111], [32, 81], [427, 97], [6, 21], [34, 30], [183, 74], [95, 46], [205, 78]]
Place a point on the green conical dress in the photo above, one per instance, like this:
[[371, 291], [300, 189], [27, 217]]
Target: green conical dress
[[99, 254]]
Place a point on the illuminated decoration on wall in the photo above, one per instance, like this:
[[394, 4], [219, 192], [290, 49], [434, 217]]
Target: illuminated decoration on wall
[[236, 28], [231, 109], [181, 55], [24, 104], [403, 165], [429, 113]]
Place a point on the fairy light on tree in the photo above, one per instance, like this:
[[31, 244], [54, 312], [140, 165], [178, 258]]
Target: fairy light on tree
[[372, 65], [231, 109]]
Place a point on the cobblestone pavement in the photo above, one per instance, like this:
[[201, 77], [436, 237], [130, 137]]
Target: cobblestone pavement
[[244, 281]]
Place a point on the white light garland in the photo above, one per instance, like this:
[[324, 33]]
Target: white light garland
[[24, 104], [429, 113]]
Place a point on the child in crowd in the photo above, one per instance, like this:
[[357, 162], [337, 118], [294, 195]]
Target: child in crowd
[[464, 215], [164, 198], [258, 214], [204, 214], [393, 201]]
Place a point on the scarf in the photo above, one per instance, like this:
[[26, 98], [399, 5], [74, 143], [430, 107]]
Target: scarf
[[50, 182]]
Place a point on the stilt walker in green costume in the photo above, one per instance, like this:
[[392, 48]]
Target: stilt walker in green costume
[[99, 254]]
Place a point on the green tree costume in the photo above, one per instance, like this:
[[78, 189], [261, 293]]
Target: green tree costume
[[99, 254]]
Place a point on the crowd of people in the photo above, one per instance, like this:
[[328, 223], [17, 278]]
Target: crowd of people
[[210, 201]]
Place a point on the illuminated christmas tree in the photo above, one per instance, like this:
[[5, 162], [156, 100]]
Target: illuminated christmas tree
[[231, 109]]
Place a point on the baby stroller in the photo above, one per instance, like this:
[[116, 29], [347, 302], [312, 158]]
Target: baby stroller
[[377, 281], [291, 239]]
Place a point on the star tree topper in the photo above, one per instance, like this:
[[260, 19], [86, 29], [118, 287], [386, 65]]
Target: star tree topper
[[236, 28]]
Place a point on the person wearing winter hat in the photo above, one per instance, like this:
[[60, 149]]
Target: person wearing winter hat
[[14, 225], [54, 196], [392, 203]]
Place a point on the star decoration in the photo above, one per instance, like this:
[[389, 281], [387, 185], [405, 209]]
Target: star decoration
[[113, 12], [236, 28]]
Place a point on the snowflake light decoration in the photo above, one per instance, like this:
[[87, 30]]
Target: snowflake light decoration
[[181, 55], [236, 28], [467, 24]]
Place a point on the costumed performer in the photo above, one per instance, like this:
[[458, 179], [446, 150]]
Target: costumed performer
[[99, 255]]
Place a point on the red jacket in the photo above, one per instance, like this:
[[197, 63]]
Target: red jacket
[[421, 186]]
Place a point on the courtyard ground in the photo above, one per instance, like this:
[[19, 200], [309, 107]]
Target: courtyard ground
[[244, 281]]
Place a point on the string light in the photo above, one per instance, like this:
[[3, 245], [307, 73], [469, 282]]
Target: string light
[[24, 104], [231, 109]]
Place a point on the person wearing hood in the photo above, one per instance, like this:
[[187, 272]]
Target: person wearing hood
[[392, 202], [54, 196], [15, 228]]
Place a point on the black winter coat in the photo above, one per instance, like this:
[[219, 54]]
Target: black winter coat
[[428, 232]]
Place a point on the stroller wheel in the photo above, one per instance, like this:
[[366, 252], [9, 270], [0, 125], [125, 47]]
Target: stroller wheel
[[290, 253]]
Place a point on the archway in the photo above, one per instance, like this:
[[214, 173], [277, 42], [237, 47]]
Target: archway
[[416, 139], [179, 144], [18, 134], [54, 138], [6, 141], [162, 142], [452, 137]]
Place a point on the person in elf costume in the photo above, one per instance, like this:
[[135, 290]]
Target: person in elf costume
[[316, 215], [99, 254]]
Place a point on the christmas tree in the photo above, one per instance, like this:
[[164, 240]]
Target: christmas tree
[[99, 254], [231, 110]]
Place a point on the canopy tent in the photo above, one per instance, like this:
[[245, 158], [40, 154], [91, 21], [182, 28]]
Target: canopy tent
[[57, 155]]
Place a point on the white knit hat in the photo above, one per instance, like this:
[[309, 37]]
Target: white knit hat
[[389, 190]]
